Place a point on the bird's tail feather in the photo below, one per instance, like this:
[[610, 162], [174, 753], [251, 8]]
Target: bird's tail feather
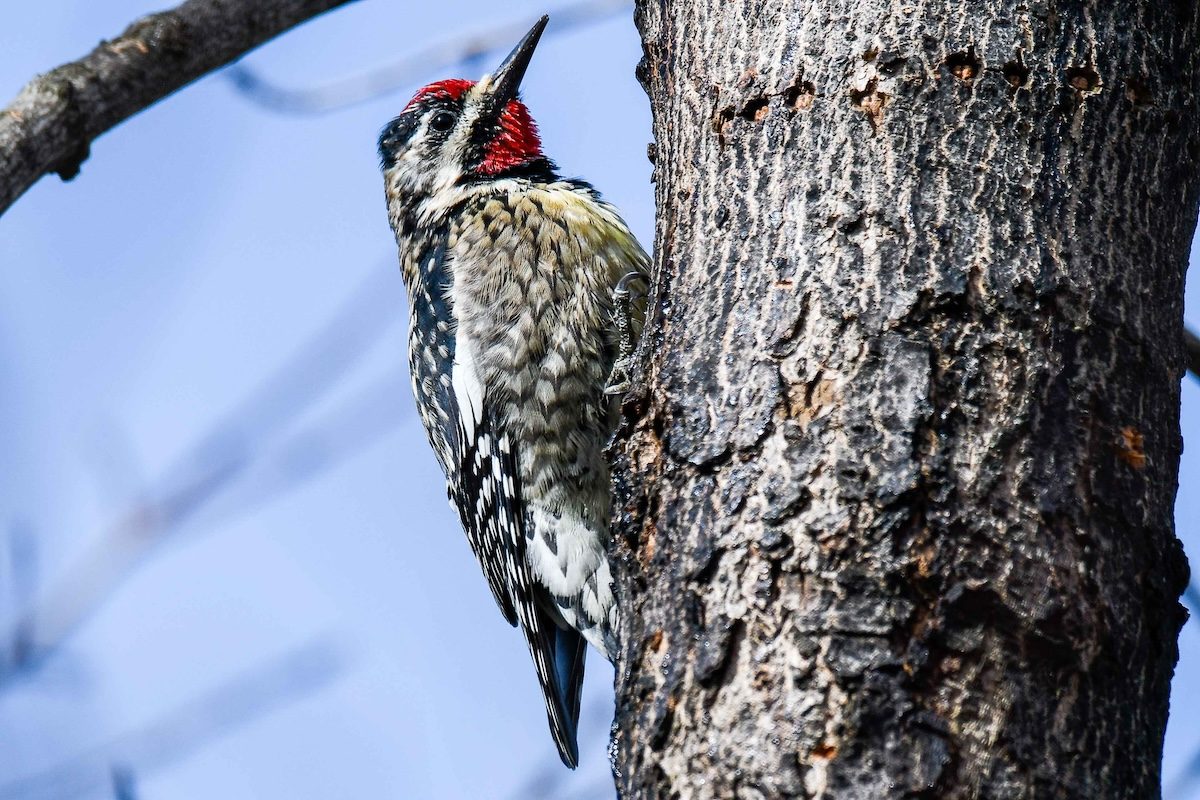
[[558, 653], [570, 649]]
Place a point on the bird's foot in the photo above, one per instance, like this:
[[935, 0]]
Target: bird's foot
[[619, 381]]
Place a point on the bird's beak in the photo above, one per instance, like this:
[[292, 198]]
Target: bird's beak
[[504, 83]]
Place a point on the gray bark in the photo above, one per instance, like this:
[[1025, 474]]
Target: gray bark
[[894, 493], [50, 125]]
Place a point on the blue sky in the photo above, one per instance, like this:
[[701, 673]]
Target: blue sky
[[205, 242]]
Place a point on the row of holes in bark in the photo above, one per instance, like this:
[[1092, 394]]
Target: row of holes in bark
[[964, 65], [796, 97]]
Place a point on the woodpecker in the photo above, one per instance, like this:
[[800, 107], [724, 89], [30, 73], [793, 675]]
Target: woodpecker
[[515, 276]]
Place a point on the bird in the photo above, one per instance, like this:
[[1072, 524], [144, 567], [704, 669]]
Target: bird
[[520, 330]]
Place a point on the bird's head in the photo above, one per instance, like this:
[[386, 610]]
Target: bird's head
[[458, 131]]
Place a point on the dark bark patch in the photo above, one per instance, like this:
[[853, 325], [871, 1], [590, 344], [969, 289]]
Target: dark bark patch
[[785, 499], [1016, 73], [757, 109], [1138, 92], [964, 65], [890, 63], [774, 543], [1084, 80], [163, 32], [662, 714], [799, 96], [871, 102], [62, 84], [702, 561], [721, 121], [736, 486], [715, 650]]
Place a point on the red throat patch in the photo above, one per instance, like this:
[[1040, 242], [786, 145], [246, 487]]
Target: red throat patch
[[516, 141]]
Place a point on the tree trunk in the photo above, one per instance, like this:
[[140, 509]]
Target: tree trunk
[[894, 495]]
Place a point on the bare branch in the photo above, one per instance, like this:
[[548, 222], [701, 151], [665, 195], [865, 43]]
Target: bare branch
[[50, 125], [362, 419], [429, 61]]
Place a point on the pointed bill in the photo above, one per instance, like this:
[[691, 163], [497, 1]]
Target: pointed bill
[[504, 83]]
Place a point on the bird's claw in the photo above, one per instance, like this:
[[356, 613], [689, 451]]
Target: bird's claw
[[620, 380]]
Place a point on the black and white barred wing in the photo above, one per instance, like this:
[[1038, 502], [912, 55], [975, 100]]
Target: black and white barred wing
[[485, 510], [557, 652], [432, 355]]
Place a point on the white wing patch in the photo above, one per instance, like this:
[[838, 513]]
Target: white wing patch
[[468, 389]]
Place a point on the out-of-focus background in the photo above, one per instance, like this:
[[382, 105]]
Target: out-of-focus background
[[215, 487]]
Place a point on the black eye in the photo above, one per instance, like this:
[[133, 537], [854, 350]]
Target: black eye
[[442, 121]]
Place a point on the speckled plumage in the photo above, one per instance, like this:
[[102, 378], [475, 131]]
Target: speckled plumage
[[511, 278], [524, 272]]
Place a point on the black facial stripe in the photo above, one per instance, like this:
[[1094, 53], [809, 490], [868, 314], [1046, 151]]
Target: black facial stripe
[[482, 134], [397, 133]]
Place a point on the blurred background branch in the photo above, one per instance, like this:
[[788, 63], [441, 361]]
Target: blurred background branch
[[124, 783], [465, 51], [176, 735], [50, 125], [226, 453]]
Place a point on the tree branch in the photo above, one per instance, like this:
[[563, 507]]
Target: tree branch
[[50, 125]]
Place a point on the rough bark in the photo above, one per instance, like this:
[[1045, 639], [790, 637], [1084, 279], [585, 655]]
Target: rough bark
[[50, 125], [894, 497]]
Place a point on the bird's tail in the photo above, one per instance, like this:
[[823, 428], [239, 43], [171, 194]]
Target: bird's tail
[[558, 653]]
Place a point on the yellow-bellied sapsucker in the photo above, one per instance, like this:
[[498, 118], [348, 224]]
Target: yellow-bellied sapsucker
[[511, 272]]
